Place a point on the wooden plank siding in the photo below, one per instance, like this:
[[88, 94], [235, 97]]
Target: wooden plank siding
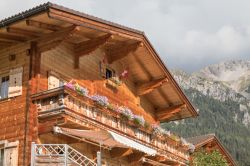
[[61, 61], [13, 110]]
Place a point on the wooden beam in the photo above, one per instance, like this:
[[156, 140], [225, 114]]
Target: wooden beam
[[76, 61], [42, 25], [135, 157], [86, 47], [118, 52], [49, 46], [6, 43], [64, 32], [35, 59], [168, 112], [145, 88], [12, 38], [22, 32], [52, 40], [120, 152]]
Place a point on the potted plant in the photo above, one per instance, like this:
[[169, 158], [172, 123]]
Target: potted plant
[[147, 126], [125, 113], [81, 90], [139, 120], [100, 101], [114, 82]]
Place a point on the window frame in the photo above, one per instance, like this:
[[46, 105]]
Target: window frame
[[8, 85]]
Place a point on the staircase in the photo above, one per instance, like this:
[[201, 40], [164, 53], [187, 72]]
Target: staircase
[[58, 155]]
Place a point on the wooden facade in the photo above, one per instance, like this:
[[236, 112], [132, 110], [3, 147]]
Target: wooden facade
[[46, 47]]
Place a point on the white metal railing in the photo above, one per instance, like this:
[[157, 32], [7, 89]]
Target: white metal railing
[[59, 154]]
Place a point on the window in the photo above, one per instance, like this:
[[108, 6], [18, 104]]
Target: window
[[4, 87], [109, 73], [106, 71]]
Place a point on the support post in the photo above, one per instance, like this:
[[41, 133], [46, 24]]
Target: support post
[[66, 154], [99, 159], [33, 155]]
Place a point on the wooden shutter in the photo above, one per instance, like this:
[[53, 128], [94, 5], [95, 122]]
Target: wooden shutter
[[15, 82], [53, 82], [11, 154]]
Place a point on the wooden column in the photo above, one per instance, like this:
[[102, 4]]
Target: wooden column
[[35, 65]]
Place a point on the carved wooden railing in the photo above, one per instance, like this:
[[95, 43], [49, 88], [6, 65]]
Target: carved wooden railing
[[63, 99]]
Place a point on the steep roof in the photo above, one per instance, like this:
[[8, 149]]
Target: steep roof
[[152, 67], [44, 7]]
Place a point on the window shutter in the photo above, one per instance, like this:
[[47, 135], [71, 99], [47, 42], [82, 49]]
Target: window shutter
[[15, 82], [53, 82], [11, 154]]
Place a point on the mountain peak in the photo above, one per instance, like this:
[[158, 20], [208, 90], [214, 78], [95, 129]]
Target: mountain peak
[[226, 80]]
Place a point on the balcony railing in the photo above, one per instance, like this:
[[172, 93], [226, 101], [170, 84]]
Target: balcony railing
[[58, 154], [62, 100]]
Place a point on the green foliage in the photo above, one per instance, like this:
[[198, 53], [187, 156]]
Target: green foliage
[[203, 158], [216, 117]]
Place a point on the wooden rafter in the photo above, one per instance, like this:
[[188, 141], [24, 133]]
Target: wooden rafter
[[91, 45], [50, 45], [118, 52], [12, 38], [147, 87], [168, 112], [86, 47], [22, 32], [64, 32], [135, 157], [6, 43], [42, 25], [120, 152]]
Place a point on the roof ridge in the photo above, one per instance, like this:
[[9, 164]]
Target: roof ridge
[[45, 6]]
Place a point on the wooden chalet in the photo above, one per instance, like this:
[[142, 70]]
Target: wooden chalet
[[210, 143], [79, 90]]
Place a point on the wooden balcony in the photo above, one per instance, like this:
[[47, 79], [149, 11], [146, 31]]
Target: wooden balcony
[[68, 108]]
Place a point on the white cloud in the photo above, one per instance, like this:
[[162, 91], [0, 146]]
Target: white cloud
[[188, 34]]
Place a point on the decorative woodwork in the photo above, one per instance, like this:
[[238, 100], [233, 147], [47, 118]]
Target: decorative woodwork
[[145, 88], [135, 157], [120, 152], [22, 32], [122, 50], [12, 38], [166, 113], [64, 103], [86, 47], [42, 25], [64, 32]]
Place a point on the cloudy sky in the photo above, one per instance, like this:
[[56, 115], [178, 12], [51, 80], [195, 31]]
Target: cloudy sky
[[188, 34]]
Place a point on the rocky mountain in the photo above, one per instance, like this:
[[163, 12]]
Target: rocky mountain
[[224, 81], [221, 93]]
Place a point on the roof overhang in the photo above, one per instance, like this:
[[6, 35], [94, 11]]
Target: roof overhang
[[164, 97]]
